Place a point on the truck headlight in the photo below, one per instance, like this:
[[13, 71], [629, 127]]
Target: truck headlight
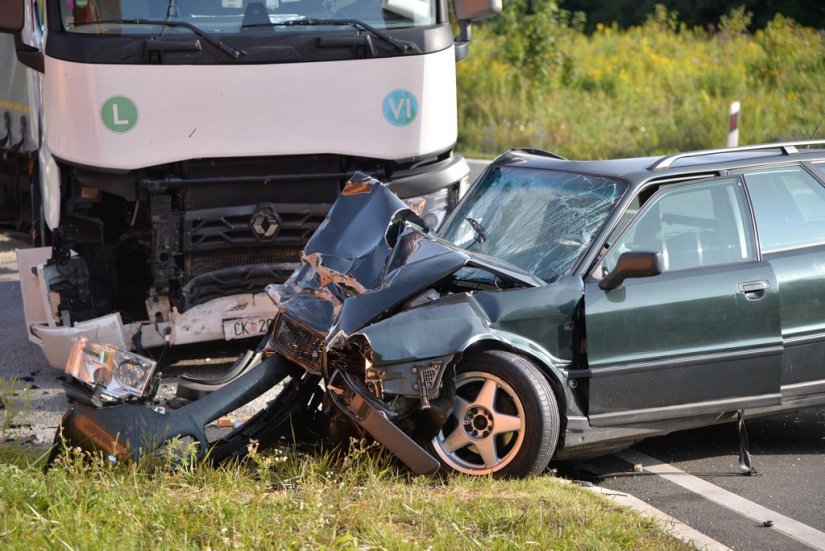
[[432, 208], [120, 373]]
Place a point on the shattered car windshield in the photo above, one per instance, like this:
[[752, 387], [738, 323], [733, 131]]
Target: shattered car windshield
[[538, 220]]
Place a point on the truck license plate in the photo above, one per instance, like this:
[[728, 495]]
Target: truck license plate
[[242, 328]]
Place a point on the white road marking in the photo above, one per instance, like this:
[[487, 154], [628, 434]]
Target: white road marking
[[788, 526], [666, 522]]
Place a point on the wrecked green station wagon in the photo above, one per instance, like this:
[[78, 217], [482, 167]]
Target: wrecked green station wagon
[[566, 309]]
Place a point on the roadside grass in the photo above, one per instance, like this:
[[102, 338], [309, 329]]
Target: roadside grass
[[15, 403], [652, 89], [289, 500]]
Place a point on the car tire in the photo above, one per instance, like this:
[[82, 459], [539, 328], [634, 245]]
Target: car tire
[[505, 421]]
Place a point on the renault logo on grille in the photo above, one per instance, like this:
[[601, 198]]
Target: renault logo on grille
[[265, 223]]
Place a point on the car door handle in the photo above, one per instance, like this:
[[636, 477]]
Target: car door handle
[[753, 289]]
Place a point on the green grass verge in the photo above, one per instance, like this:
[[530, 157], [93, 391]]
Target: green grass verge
[[290, 501]]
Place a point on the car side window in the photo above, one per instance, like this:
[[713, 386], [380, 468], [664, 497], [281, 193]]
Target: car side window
[[789, 205], [691, 225]]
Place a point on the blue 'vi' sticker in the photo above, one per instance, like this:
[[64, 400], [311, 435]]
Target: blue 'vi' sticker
[[400, 107]]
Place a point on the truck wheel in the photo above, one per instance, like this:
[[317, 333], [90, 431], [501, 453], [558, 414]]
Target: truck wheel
[[505, 421]]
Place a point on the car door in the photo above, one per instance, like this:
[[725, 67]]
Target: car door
[[789, 206], [704, 335]]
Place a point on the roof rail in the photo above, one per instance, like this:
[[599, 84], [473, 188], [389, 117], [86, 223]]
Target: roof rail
[[787, 148], [542, 152]]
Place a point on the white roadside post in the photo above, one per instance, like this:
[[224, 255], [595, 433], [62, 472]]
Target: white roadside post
[[733, 125]]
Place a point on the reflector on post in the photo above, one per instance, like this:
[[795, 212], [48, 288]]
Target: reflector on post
[[733, 125]]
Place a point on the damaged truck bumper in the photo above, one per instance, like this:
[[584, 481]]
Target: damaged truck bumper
[[224, 318]]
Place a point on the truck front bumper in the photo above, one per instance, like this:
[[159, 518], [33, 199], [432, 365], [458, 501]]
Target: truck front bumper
[[224, 318]]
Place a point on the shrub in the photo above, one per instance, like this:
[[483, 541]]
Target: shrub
[[650, 89]]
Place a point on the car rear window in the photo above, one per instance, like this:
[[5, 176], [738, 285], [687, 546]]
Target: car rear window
[[789, 205]]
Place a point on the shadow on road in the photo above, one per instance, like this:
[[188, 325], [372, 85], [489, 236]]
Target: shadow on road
[[797, 435]]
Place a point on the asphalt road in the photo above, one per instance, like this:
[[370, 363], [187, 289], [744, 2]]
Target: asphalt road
[[23, 369], [788, 451]]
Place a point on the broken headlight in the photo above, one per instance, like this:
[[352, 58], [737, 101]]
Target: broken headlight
[[116, 373], [432, 208]]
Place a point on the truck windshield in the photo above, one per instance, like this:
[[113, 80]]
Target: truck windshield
[[539, 220], [226, 17]]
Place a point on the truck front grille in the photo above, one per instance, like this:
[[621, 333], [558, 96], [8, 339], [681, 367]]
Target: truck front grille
[[210, 261], [223, 255], [221, 228]]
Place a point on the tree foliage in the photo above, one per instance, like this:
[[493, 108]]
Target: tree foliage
[[657, 87], [702, 13]]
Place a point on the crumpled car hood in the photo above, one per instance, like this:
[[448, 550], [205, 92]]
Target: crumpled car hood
[[371, 254]]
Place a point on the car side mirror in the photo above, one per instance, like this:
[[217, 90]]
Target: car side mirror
[[11, 16], [632, 264]]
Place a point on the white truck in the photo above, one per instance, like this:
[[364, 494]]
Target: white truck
[[186, 149]]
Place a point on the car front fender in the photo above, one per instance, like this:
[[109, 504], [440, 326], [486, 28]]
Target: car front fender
[[431, 337]]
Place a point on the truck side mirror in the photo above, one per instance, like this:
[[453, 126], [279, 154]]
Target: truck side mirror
[[11, 16], [632, 264], [476, 10], [12, 21], [467, 11]]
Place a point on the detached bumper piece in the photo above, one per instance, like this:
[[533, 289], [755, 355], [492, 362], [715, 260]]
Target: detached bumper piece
[[192, 387], [374, 418], [130, 431]]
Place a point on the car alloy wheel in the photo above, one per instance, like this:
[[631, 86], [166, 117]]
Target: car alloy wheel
[[505, 419]]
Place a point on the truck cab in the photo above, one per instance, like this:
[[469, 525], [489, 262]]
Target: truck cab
[[188, 149]]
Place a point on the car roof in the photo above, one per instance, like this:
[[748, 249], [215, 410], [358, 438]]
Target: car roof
[[642, 169]]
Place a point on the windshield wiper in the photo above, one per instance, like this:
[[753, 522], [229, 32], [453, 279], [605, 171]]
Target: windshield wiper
[[481, 232], [309, 21], [234, 53]]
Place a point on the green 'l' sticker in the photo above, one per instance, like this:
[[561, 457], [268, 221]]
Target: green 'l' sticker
[[119, 114]]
